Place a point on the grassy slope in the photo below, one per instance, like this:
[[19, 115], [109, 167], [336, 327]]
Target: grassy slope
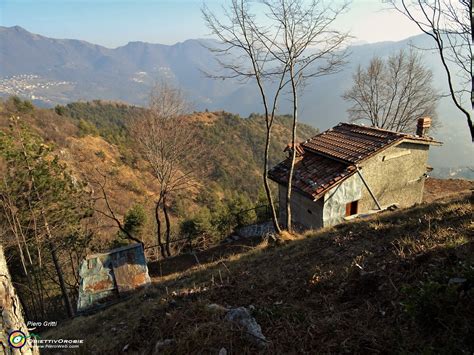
[[344, 289]]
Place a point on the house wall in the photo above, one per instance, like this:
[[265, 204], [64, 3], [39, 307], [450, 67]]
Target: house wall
[[335, 200], [395, 175], [304, 211]]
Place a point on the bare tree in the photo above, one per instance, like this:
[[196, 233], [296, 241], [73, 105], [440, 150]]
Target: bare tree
[[109, 212], [308, 47], [295, 43], [449, 24], [167, 142], [244, 54], [393, 93]]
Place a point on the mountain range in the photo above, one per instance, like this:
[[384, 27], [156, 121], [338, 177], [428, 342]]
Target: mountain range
[[56, 71]]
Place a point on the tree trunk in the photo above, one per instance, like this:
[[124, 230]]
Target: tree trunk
[[265, 182], [62, 283], [168, 226], [67, 302], [293, 155], [11, 317], [158, 228]]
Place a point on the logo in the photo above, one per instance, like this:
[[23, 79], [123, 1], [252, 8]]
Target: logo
[[17, 339]]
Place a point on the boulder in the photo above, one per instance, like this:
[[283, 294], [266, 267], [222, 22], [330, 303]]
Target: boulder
[[243, 318]]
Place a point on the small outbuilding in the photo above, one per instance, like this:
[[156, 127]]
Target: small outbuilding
[[350, 170], [105, 277]]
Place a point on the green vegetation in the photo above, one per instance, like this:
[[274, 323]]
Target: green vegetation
[[108, 119], [43, 209], [238, 144], [87, 128], [134, 219], [221, 218], [22, 106], [133, 223], [440, 305], [234, 145]]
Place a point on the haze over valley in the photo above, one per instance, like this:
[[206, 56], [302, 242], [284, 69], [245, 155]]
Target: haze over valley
[[57, 71]]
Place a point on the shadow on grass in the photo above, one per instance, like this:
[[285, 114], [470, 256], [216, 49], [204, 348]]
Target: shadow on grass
[[333, 291], [184, 262]]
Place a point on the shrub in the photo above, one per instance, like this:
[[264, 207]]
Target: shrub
[[200, 224], [133, 223], [23, 106], [60, 110], [86, 128]]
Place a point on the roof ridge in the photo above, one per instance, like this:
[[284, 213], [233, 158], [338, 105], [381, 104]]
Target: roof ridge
[[371, 127]]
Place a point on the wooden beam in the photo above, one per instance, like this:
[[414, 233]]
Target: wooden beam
[[368, 188]]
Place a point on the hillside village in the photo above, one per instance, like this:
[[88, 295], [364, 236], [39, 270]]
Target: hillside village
[[135, 221]]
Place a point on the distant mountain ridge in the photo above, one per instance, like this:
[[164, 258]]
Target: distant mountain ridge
[[95, 72], [51, 71]]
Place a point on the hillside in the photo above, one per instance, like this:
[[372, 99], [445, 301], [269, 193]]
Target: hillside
[[91, 138], [398, 282]]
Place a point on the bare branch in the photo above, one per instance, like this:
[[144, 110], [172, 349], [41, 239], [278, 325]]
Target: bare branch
[[449, 24], [393, 94], [111, 214]]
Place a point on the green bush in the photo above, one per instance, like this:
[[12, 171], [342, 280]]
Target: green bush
[[86, 128], [431, 303], [133, 222], [135, 219], [22, 106], [60, 110], [200, 224]]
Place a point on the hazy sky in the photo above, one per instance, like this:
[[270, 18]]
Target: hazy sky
[[114, 23]]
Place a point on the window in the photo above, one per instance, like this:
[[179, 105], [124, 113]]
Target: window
[[351, 208]]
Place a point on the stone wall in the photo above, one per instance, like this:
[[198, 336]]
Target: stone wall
[[304, 211]]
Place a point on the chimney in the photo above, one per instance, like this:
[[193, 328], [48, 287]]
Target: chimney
[[423, 126], [289, 149]]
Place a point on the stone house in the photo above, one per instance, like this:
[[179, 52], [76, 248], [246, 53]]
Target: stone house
[[352, 170]]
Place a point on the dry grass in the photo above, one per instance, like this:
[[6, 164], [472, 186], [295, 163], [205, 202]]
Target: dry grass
[[332, 291], [207, 118], [443, 188]]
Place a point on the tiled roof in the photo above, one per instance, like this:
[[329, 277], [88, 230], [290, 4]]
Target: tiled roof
[[330, 157], [313, 173], [353, 143]]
